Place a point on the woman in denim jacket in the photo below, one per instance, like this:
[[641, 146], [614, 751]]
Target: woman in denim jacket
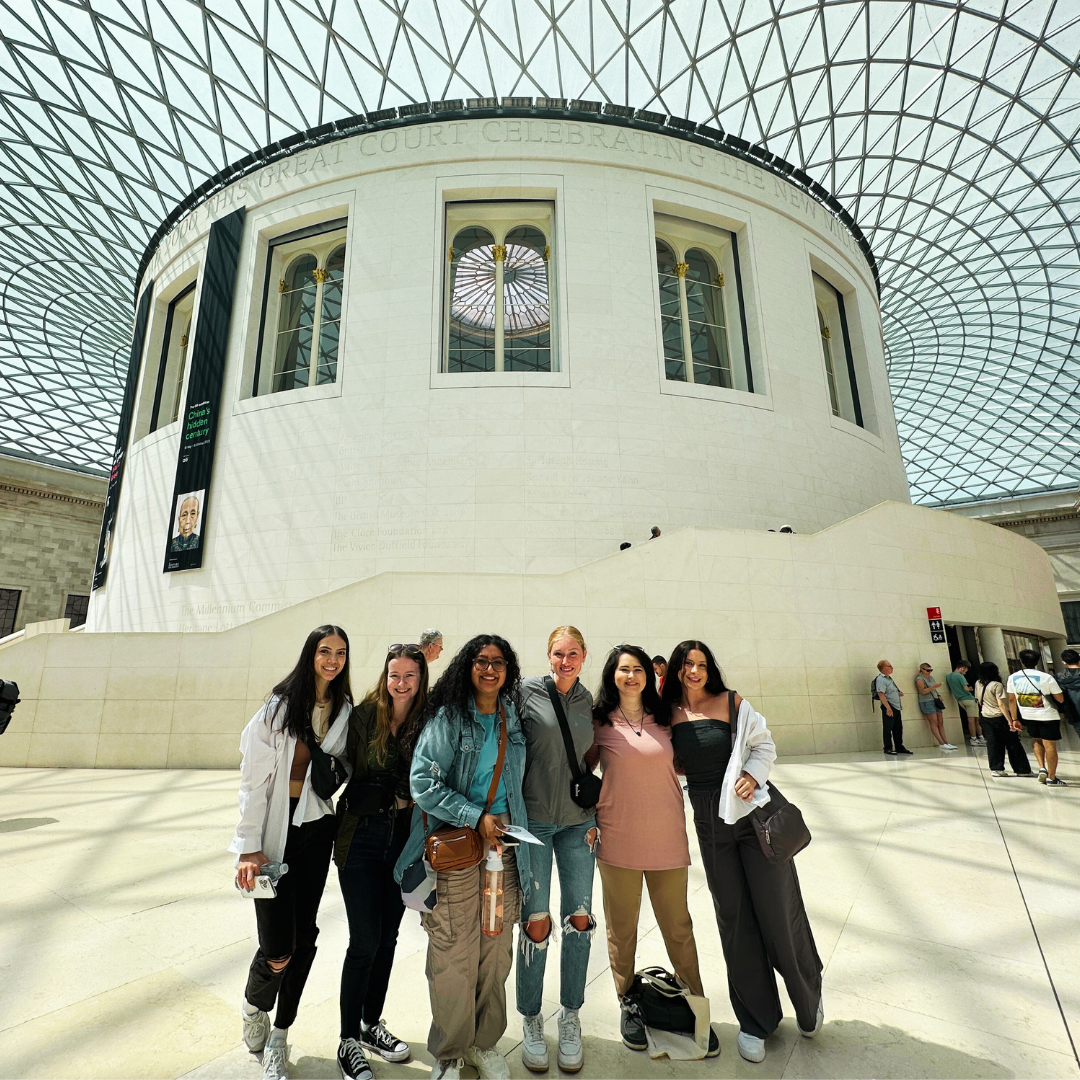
[[452, 767]]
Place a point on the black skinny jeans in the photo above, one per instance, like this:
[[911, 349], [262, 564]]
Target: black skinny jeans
[[762, 921], [374, 908], [287, 922], [999, 739]]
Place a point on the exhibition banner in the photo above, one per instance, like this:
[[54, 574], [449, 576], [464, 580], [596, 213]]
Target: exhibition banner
[[116, 473], [199, 420]]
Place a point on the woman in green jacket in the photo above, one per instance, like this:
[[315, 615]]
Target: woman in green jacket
[[374, 818]]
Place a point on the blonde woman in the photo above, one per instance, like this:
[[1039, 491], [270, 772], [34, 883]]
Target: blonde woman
[[930, 705], [374, 819], [568, 831]]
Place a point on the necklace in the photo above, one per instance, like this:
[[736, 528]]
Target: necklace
[[626, 720]]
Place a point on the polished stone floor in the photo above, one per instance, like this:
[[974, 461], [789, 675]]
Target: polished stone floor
[[946, 906]]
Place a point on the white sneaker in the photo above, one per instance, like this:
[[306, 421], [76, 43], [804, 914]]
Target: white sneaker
[[447, 1069], [817, 1025], [998, 772], [534, 1050], [947, 746], [751, 1047], [490, 1064], [571, 1053], [256, 1028], [275, 1061]]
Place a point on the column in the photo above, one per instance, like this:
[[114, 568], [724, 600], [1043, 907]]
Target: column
[[992, 644], [499, 251], [684, 308]]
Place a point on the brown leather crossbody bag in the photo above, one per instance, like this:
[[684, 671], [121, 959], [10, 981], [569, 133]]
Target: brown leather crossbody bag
[[457, 847]]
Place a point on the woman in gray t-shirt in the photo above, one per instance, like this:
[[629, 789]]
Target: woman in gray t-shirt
[[568, 833]]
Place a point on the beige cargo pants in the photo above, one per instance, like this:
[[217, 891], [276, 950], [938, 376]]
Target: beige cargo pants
[[467, 970]]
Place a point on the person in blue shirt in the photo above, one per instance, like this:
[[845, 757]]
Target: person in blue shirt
[[453, 765]]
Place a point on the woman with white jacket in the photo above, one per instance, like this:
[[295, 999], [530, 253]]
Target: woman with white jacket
[[283, 819], [759, 907]]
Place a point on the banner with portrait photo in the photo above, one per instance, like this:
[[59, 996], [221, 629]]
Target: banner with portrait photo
[[202, 404]]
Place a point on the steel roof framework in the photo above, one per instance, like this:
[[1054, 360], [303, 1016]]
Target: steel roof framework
[[948, 130]]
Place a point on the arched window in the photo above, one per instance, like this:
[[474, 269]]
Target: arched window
[[706, 327], [830, 370], [697, 276], [175, 346], [471, 343], [300, 332], [330, 280], [296, 323], [840, 377], [498, 307]]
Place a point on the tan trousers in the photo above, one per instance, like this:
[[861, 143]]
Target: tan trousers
[[622, 905], [466, 970]]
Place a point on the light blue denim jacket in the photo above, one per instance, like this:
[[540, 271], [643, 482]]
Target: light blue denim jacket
[[443, 765]]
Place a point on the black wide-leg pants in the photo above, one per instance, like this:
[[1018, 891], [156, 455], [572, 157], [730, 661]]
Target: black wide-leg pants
[[762, 921]]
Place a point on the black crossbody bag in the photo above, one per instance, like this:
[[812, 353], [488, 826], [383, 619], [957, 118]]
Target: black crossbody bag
[[779, 824], [584, 786]]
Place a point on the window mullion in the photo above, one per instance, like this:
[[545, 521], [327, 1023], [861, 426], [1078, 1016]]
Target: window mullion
[[684, 310], [321, 276], [499, 254]]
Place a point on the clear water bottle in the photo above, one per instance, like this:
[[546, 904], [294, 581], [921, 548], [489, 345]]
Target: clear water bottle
[[273, 870], [491, 918]]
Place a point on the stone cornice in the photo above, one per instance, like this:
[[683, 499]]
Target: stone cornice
[[55, 496]]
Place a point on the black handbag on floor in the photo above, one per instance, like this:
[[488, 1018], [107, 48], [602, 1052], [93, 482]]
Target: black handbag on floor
[[584, 785], [661, 997], [779, 824]]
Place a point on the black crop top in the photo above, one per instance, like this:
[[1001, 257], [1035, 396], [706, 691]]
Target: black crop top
[[703, 749]]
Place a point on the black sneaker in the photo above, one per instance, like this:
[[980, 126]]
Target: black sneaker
[[714, 1045], [352, 1062], [888, 751], [1056, 783], [905, 750], [379, 1041], [632, 1027]]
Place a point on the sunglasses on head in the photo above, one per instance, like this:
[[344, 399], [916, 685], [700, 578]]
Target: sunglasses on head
[[400, 650]]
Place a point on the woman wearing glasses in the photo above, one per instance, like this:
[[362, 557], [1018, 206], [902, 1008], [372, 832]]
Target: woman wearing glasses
[[455, 759], [373, 824], [642, 827]]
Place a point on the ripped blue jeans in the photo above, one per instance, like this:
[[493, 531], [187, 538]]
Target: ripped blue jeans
[[573, 847]]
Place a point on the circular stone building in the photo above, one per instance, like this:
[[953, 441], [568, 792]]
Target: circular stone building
[[494, 338]]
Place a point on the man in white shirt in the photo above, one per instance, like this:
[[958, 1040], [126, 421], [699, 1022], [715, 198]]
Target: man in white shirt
[[1029, 691]]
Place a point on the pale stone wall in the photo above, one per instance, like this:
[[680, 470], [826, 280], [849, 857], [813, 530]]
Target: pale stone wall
[[798, 623], [398, 466], [50, 519]]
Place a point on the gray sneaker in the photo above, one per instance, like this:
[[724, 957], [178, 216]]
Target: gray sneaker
[[275, 1061], [534, 1049], [256, 1028], [571, 1053]]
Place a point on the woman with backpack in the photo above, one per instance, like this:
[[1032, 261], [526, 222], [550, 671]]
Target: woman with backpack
[[287, 780], [726, 753], [562, 814], [374, 816]]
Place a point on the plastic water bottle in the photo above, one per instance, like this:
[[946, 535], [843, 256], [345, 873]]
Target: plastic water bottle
[[491, 918], [273, 870]]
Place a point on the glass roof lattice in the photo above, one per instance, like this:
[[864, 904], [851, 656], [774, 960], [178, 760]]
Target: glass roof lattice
[[948, 130]]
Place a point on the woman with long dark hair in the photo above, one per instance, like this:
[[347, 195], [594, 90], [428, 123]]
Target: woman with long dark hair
[[471, 715], [642, 827], [1001, 731], [282, 819], [759, 907], [568, 832], [374, 816]]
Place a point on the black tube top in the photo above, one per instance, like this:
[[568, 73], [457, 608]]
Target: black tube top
[[703, 749]]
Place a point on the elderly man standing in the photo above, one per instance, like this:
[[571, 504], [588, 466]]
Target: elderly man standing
[[431, 645], [892, 722]]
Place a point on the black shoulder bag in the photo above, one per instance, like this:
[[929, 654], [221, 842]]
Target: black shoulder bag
[[584, 786], [779, 824]]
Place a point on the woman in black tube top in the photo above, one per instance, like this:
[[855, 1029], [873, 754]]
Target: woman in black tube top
[[759, 908]]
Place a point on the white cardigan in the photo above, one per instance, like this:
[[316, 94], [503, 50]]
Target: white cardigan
[[754, 752], [264, 781]]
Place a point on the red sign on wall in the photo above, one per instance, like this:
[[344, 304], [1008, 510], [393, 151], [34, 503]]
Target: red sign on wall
[[937, 627]]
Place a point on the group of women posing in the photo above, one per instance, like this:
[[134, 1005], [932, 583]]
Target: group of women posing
[[484, 748]]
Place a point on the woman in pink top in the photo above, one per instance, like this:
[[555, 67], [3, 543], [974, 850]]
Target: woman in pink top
[[642, 827]]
